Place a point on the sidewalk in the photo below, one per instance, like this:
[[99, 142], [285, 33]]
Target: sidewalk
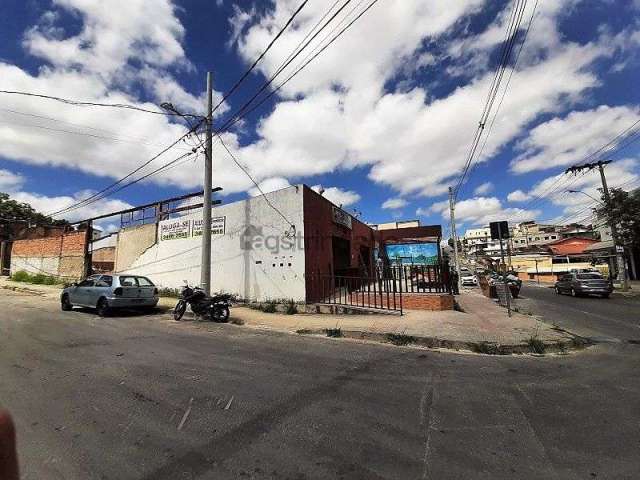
[[483, 326]]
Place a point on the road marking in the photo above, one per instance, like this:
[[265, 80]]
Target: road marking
[[426, 405]]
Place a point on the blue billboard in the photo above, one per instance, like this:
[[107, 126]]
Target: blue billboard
[[413, 253]]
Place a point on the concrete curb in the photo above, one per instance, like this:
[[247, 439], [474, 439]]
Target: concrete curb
[[487, 348], [29, 291]]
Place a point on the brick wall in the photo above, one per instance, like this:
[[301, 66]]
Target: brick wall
[[410, 301], [59, 255]]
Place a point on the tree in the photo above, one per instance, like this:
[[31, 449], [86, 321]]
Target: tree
[[624, 210], [12, 210]]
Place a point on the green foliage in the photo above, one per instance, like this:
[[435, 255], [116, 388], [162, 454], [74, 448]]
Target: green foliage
[[399, 338], [333, 332], [536, 345], [20, 276], [38, 279], [624, 210], [10, 209], [269, 307], [169, 292], [292, 309]]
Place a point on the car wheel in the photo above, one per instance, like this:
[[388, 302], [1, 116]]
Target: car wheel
[[605, 295], [103, 307], [558, 292], [65, 304], [573, 292]]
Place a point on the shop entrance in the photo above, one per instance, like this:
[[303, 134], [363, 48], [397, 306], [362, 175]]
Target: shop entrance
[[341, 249]]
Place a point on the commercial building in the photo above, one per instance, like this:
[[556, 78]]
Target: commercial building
[[274, 246]]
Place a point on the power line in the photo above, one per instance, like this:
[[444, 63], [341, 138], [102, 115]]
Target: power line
[[510, 37], [261, 56], [236, 117], [194, 128], [240, 114], [82, 103], [84, 201], [256, 184], [506, 88]]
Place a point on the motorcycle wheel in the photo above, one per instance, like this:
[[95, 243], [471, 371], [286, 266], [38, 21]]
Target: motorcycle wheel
[[220, 314], [179, 309]]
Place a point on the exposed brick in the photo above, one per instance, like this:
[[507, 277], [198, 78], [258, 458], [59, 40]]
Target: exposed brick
[[410, 301]]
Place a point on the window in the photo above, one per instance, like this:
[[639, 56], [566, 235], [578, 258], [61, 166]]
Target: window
[[144, 282], [553, 237], [128, 281], [86, 283], [589, 276], [105, 281]]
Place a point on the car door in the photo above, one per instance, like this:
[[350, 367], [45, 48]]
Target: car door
[[129, 285], [79, 295], [562, 283], [101, 288]]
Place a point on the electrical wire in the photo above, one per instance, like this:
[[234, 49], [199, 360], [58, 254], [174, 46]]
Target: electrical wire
[[82, 103], [257, 185], [510, 38], [242, 114], [261, 56]]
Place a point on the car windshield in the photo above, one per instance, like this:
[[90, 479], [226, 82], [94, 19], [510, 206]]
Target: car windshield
[[589, 276]]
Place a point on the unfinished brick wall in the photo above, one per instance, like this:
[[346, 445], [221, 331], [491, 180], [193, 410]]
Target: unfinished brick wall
[[59, 255]]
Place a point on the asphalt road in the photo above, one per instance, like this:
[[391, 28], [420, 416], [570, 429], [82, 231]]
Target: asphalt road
[[142, 397], [616, 319]]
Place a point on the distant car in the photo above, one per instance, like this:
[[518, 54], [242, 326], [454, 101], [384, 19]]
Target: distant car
[[108, 292], [580, 283], [468, 279]]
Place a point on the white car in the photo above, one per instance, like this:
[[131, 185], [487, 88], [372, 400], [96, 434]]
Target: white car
[[468, 280]]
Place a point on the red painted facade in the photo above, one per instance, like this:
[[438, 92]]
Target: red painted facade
[[570, 246]]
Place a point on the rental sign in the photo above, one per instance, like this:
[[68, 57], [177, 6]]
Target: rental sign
[[186, 228]]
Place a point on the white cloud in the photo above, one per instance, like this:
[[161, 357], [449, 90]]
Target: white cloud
[[9, 181], [518, 196], [483, 189], [46, 204], [568, 140], [270, 185], [338, 196], [337, 113], [483, 210], [394, 204], [97, 64]]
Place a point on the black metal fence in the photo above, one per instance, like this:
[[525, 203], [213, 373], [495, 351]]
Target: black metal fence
[[383, 290]]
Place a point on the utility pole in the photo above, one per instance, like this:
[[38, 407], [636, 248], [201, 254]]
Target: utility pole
[[205, 268], [452, 211], [621, 264]]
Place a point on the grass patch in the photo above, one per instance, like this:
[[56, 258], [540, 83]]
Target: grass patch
[[269, 307], [291, 308], [38, 279], [236, 321], [399, 338], [536, 345], [486, 348], [333, 332], [169, 292]]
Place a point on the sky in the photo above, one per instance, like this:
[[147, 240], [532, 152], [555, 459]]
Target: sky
[[383, 119]]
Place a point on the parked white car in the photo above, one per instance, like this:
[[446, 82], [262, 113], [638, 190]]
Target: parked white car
[[468, 280]]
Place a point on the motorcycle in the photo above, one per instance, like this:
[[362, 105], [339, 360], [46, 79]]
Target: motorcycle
[[214, 308]]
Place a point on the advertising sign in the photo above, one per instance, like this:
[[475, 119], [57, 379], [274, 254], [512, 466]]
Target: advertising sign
[[175, 229], [413, 253], [341, 217], [217, 226]]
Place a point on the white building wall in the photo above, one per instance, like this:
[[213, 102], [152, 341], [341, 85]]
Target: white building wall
[[253, 258]]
